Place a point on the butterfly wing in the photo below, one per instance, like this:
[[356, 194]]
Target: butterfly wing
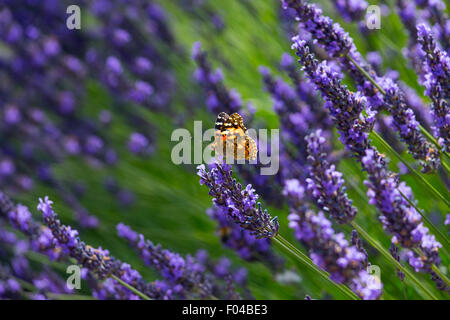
[[231, 135], [237, 122], [222, 120]]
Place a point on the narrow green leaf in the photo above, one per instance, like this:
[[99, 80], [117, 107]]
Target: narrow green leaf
[[133, 289]]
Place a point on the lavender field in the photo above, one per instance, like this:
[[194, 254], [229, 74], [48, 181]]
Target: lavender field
[[336, 187]]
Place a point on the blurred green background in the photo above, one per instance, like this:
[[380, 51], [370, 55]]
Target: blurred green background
[[170, 206]]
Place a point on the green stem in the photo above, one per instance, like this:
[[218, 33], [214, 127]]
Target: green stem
[[414, 172], [438, 271], [409, 275], [364, 72], [26, 285], [445, 165], [404, 290], [306, 261], [133, 289]]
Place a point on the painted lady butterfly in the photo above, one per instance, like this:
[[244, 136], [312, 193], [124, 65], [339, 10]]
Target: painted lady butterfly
[[231, 135]]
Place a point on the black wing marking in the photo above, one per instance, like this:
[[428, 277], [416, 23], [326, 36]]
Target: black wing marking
[[222, 120]]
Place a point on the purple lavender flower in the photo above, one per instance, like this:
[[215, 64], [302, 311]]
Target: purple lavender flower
[[247, 246], [225, 271], [12, 114], [219, 97], [66, 241], [98, 261], [335, 40], [325, 183], [295, 118], [375, 60], [137, 143], [9, 287], [398, 217], [105, 117], [317, 116], [19, 216], [440, 283], [48, 281], [184, 274], [435, 12], [351, 10], [339, 45], [7, 167], [345, 107], [295, 115], [421, 110], [408, 128], [437, 82], [238, 204], [111, 289], [329, 250], [408, 14], [140, 92]]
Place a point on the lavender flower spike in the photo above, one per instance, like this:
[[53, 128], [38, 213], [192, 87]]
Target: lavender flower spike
[[325, 183], [97, 261], [183, 274], [345, 106], [329, 250], [238, 204], [408, 128], [437, 82], [398, 216], [334, 39]]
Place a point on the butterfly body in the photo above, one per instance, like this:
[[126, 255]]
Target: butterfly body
[[231, 138]]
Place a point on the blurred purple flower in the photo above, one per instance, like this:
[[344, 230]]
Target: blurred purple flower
[[137, 143]]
